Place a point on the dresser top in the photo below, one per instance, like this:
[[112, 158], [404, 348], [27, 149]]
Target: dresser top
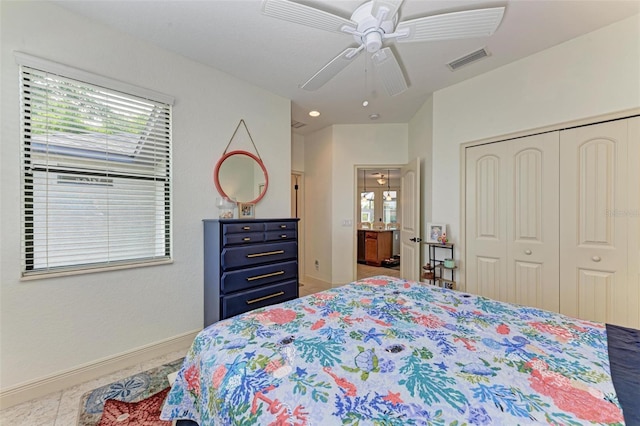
[[251, 220]]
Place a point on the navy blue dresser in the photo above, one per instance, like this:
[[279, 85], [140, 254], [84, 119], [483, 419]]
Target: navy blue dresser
[[248, 264]]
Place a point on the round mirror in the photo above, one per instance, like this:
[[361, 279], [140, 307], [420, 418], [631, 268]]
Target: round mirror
[[241, 175]]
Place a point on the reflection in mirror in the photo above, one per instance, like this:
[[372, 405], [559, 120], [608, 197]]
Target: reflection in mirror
[[241, 175]]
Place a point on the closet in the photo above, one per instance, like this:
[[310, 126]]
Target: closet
[[552, 221]]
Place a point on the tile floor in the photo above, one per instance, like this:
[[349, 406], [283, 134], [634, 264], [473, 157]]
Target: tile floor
[[365, 271], [61, 408]]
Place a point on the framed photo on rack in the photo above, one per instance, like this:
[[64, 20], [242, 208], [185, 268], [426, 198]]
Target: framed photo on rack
[[246, 210], [435, 231]]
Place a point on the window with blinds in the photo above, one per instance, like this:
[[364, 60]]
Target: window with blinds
[[96, 182]]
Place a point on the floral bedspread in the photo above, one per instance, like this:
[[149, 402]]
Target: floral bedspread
[[388, 351]]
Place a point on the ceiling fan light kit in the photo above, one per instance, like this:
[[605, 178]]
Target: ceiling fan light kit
[[375, 24]]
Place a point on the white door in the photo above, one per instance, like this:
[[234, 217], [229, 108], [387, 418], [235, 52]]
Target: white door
[[533, 222], [410, 242], [486, 220], [595, 214], [512, 221]]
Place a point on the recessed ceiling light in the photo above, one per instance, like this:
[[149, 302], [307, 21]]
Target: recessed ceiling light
[[365, 103], [314, 113], [374, 116]]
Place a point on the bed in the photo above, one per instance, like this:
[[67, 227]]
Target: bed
[[388, 351]]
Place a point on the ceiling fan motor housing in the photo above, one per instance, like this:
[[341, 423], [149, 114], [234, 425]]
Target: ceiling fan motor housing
[[368, 32]]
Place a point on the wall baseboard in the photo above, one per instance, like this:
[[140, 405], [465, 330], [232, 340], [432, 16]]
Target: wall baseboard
[[93, 370], [311, 281]]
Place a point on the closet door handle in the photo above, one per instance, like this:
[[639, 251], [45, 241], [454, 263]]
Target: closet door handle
[[528, 252], [596, 258]]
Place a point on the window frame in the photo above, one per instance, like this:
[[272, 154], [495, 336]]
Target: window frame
[[163, 217]]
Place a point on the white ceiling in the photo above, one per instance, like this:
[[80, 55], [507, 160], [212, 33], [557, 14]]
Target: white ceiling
[[233, 36]]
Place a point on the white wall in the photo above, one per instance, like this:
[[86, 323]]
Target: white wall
[[331, 155], [318, 158], [357, 144], [297, 152], [588, 76], [53, 325]]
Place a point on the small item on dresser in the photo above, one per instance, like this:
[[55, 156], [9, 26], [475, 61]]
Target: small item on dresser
[[226, 207], [246, 210]]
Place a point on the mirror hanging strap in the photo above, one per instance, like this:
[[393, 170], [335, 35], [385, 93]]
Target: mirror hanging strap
[[248, 133]]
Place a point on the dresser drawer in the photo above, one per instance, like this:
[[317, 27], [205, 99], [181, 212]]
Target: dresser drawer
[[273, 226], [280, 235], [243, 279], [243, 238], [241, 256], [257, 298], [238, 228]]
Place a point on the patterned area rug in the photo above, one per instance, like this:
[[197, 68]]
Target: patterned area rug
[[140, 393]]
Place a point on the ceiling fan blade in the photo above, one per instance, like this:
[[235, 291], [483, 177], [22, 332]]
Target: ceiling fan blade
[[305, 15], [390, 72], [465, 24], [391, 6], [330, 70]]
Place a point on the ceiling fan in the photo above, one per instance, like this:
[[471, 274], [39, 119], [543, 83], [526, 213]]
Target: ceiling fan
[[373, 24]]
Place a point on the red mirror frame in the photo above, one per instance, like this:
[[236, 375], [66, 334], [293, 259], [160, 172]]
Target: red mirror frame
[[216, 172]]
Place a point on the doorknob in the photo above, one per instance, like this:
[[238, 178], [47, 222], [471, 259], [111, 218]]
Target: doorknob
[[527, 252], [415, 239], [596, 258]]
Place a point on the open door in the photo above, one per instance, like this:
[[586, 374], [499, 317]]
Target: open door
[[410, 241]]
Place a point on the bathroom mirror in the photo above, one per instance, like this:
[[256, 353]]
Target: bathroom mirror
[[241, 175]]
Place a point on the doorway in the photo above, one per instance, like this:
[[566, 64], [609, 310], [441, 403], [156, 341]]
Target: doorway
[[377, 221]]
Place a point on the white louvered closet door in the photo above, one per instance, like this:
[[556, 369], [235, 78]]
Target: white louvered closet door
[[598, 197], [512, 221]]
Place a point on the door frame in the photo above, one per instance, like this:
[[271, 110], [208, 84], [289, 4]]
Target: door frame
[[357, 170], [462, 281]]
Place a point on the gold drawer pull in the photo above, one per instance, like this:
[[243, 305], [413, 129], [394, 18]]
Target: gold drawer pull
[[260, 299], [246, 228], [267, 253], [283, 226], [273, 274], [246, 239], [283, 236]]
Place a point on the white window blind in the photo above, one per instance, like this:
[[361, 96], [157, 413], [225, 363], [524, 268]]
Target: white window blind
[[96, 183]]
